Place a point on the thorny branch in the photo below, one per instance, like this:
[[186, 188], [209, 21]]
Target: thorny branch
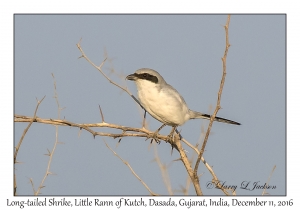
[[138, 132], [26, 129], [21, 140], [50, 154], [218, 101]]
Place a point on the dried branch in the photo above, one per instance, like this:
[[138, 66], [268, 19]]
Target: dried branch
[[128, 165], [218, 101], [187, 164], [27, 128], [32, 185], [21, 140], [264, 192], [100, 70], [15, 184], [164, 171], [215, 179], [55, 143], [141, 132]]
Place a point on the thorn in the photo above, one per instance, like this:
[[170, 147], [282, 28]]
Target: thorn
[[102, 117], [172, 149], [178, 159]]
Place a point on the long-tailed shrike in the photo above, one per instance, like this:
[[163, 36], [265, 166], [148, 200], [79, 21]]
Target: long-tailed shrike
[[163, 102]]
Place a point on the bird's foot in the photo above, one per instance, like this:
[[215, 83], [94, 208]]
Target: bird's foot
[[155, 134], [170, 138], [154, 137]]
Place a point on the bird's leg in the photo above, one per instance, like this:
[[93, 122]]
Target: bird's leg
[[144, 120], [170, 136], [156, 132], [180, 136]]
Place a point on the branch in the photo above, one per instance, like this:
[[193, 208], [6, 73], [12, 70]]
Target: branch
[[100, 70], [264, 192], [128, 165], [21, 140], [27, 128], [187, 164], [141, 132], [164, 171], [50, 154], [218, 101], [215, 179]]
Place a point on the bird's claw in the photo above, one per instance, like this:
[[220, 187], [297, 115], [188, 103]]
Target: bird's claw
[[170, 137], [154, 137]]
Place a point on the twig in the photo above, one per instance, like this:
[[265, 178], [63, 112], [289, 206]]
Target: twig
[[264, 192], [218, 101], [21, 140], [15, 184], [100, 70], [132, 171], [55, 143], [164, 171], [27, 128], [32, 185], [102, 117]]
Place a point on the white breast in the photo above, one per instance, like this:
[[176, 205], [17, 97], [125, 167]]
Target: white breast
[[163, 103]]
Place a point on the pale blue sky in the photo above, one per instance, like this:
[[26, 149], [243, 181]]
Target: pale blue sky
[[187, 51]]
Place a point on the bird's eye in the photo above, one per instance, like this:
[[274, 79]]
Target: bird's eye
[[145, 75]]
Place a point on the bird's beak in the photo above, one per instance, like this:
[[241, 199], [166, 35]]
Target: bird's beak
[[131, 77]]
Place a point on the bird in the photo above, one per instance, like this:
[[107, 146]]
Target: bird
[[163, 102]]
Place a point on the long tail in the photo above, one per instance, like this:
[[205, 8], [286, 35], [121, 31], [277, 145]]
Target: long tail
[[198, 115]]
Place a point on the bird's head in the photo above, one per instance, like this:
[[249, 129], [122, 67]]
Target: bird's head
[[146, 76]]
